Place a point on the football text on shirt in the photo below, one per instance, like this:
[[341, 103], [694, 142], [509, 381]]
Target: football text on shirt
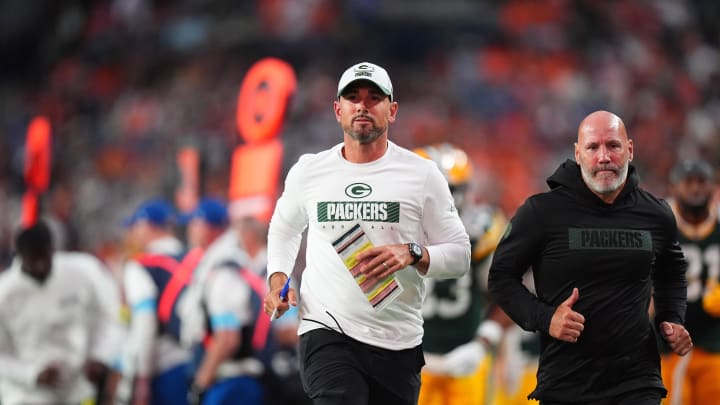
[[589, 238], [376, 211]]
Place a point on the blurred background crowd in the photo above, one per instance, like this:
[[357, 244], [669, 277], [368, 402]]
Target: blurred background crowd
[[125, 83]]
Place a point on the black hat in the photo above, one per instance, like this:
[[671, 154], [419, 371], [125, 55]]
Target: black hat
[[691, 167]]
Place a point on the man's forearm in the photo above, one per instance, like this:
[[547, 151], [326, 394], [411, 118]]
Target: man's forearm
[[277, 280], [223, 345]]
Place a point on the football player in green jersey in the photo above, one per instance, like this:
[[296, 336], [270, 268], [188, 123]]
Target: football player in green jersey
[[458, 333], [692, 380]]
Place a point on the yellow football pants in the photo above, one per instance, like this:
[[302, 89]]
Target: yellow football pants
[[693, 379]]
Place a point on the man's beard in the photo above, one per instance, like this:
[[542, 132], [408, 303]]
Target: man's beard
[[601, 187], [365, 135], [694, 209]]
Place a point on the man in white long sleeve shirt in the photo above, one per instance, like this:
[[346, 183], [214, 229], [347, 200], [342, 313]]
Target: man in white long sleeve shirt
[[53, 325], [380, 218]]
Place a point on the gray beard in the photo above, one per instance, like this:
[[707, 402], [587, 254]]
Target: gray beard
[[605, 189]]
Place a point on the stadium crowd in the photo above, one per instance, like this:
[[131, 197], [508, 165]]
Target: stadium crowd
[[124, 83]]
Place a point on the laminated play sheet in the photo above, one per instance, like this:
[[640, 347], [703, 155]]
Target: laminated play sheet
[[379, 292]]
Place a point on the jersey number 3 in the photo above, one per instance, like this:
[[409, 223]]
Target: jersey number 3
[[450, 307]]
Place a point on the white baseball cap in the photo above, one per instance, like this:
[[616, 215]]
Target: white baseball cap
[[366, 71]]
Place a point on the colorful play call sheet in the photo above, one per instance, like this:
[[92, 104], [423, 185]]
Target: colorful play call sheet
[[379, 292]]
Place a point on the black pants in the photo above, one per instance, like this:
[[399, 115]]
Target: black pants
[[640, 397], [338, 370]]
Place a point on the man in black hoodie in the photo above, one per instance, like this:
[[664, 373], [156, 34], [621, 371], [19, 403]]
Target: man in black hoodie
[[599, 246]]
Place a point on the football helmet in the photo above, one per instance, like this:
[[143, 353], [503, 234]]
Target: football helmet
[[454, 165]]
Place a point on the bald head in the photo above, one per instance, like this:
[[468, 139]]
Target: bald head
[[603, 152], [601, 121]]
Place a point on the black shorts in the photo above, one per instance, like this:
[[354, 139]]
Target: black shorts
[[338, 370]]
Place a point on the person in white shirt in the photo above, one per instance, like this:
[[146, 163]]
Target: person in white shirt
[[222, 249], [230, 371], [154, 364], [380, 219], [282, 385], [109, 309], [54, 333], [226, 371]]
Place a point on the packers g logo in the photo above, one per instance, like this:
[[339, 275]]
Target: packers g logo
[[358, 190]]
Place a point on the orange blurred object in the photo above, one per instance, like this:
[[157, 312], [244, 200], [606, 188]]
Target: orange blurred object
[[254, 177], [37, 168], [187, 192], [263, 99], [37, 154], [30, 209]]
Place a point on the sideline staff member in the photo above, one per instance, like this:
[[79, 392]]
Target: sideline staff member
[[54, 325], [350, 351], [598, 245]]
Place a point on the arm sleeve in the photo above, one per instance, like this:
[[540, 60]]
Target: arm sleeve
[[107, 332], [14, 369], [142, 298], [227, 300], [448, 243], [669, 282], [286, 225], [520, 246]]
